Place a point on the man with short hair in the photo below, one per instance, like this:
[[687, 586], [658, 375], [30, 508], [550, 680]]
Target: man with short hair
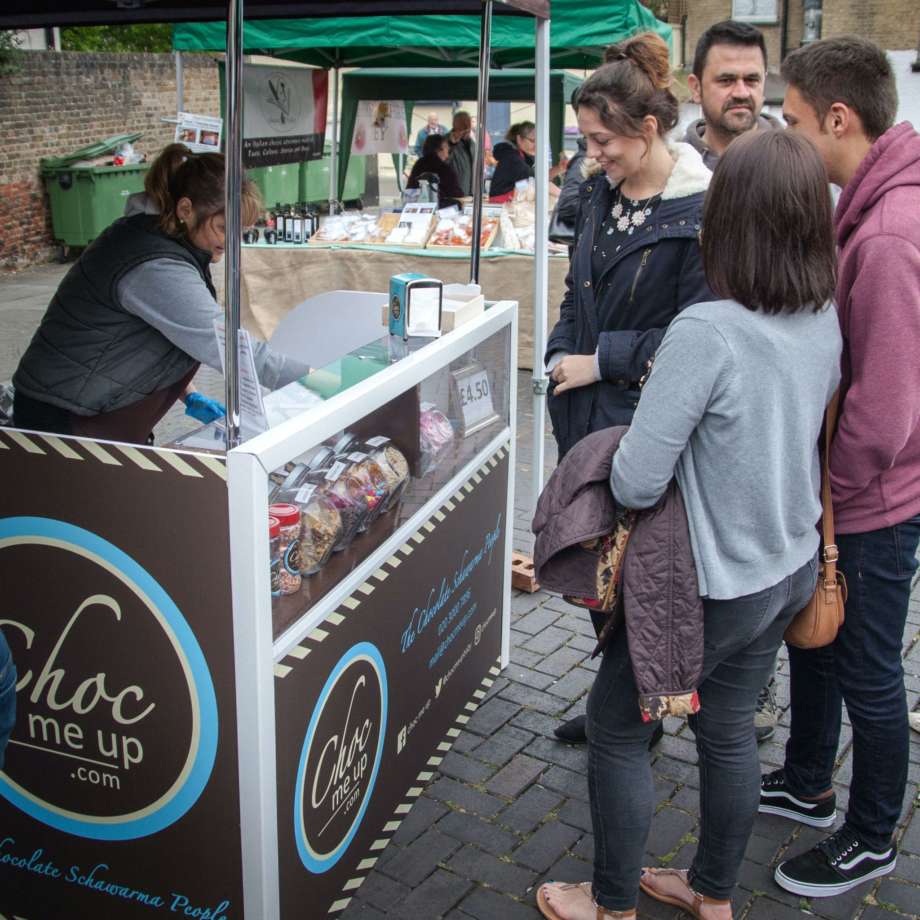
[[841, 95], [432, 126], [727, 82], [463, 150]]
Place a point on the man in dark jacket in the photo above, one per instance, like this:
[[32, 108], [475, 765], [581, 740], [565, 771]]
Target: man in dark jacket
[[463, 151], [727, 82]]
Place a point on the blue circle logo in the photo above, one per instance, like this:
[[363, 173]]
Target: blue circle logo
[[117, 723], [340, 757]]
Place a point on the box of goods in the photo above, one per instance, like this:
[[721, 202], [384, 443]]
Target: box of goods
[[413, 226], [455, 231], [355, 228]]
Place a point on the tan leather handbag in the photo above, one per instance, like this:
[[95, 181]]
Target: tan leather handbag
[[817, 623]]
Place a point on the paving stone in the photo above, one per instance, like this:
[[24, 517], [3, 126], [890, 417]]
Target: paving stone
[[530, 809], [757, 878], [546, 846], [567, 782], [533, 699], [382, 892], [496, 688], [650, 909], [516, 776], [436, 895], [536, 621], [905, 897], [768, 909], [576, 813], [910, 842], [669, 827], [418, 860], [571, 756], [472, 829], [583, 643], [470, 862], [463, 797], [528, 659], [502, 746], [678, 748], [761, 850], [464, 768], [491, 716], [584, 849], [678, 771], [522, 602], [561, 661], [878, 913], [547, 640], [359, 910], [573, 685], [465, 742], [907, 868], [568, 869], [529, 678], [425, 812], [557, 603], [842, 906], [483, 904], [536, 722]]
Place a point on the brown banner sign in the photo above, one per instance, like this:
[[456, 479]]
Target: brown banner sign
[[116, 605], [370, 701]]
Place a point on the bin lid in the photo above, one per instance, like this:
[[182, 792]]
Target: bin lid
[[100, 148]]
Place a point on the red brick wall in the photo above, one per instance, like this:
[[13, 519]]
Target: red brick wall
[[57, 102]]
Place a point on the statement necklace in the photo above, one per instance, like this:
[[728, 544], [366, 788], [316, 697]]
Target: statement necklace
[[630, 214]]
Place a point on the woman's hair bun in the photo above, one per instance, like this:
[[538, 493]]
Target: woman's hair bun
[[649, 52]]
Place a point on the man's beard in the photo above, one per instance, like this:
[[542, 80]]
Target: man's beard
[[730, 124]]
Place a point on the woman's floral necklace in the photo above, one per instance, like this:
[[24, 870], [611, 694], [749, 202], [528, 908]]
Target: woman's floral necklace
[[629, 214]]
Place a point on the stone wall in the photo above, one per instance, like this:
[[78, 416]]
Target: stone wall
[[57, 102]]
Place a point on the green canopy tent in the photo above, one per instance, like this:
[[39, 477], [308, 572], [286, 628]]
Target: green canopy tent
[[579, 34], [421, 85]]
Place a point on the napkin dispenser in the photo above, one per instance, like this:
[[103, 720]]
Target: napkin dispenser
[[415, 305]]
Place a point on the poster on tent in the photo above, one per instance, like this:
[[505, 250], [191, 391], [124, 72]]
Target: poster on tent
[[200, 133], [284, 114], [380, 128]]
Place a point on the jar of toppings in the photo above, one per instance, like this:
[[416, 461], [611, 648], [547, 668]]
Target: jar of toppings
[[320, 524], [395, 467], [289, 545], [374, 481], [436, 434], [348, 495], [274, 554]]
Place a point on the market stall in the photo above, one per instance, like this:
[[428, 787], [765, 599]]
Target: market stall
[[205, 694]]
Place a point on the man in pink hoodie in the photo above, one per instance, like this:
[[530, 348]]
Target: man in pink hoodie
[[841, 94]]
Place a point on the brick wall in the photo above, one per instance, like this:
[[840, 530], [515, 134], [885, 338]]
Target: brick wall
[[701, 14], [57, 102]]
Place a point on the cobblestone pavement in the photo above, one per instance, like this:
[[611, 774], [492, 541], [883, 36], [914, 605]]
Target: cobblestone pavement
[[509, 808]]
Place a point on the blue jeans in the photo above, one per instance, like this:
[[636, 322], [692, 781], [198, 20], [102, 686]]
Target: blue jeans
[[741, 637], [7, 695], [862, 668]]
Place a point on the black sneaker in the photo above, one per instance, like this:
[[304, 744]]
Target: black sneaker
[[776, 799], [837, 864]]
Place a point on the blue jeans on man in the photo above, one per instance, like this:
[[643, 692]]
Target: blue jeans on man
[[862, 668], [7, 695]]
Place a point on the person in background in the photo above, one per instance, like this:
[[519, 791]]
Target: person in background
[[7, 695], [432, 126], [434, 161], [727, 82], [134, 317], [732, 408], [488, 156], [516, 155], [636, 261], [841, 95], [463, 151]]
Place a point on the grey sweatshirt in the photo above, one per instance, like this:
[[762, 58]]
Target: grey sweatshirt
[[695, 130], [171, 296], [733, 406]]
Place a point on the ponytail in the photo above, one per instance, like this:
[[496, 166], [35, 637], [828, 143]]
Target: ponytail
[[178, 173], [634, 82]]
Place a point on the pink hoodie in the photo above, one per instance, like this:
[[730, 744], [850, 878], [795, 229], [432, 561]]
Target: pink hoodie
[[875, 458]]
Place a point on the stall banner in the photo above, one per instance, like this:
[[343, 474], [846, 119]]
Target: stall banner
[[116, 605], [380, 127], [200, 133], [368, 703], [284, 114]]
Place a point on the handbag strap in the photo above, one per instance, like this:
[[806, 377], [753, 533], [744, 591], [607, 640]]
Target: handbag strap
[[829, 547]]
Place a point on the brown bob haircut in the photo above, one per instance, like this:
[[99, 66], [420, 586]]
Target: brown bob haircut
[[768, 238]]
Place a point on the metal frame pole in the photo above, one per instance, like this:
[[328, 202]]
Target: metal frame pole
[[180, 83], [334, 147], [540, 258], [233, 166], [485, 57]]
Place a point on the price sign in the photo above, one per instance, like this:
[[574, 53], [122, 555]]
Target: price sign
[[472, 394]]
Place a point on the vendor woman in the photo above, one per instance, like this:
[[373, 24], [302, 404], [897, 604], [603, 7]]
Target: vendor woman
[[134, 317]]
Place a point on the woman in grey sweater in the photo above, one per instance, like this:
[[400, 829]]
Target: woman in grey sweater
[[733, 408]]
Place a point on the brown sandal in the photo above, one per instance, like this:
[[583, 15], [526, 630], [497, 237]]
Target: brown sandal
[[694, 901], [603, 913]]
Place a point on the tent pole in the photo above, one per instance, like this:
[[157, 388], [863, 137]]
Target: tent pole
[[334, 147], [180, 84], [541, 258], [485, 57], [233, 175]]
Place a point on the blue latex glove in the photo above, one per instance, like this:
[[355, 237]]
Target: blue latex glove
[[203, 408]]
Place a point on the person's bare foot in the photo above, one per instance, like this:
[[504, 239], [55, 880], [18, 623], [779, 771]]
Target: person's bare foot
[[671, 887], [559, 901]]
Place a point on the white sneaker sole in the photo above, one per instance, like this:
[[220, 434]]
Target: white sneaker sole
[[824, 821], [827, 891]]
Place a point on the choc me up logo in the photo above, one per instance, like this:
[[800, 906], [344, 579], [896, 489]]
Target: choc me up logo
[[340, 757], [116, 728]]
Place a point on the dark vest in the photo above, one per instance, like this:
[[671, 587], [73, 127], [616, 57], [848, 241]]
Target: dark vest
[[90, 355]]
